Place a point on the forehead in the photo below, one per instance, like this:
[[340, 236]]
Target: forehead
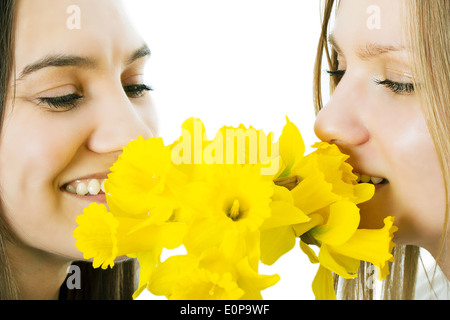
[[368, 21], [46, 27]]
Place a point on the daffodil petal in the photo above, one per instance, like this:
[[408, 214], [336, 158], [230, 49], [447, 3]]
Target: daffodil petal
[[282, 194], [342, 223], [187, 277], [275, 243], [139, 173], [329, 160], [313, 193], [284, 214], [205, 285], [253, 283], [202, 234], [323, 285], [363, 192], [344, 266], [292, 147], [309, 252], [150, 238], [166, 276], [374, 245], [302, 228], [147, 263]]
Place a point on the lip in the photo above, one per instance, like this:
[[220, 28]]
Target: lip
[[381, 185], [99, 198]]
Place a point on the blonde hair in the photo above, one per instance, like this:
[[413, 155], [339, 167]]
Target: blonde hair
[[427, 30]]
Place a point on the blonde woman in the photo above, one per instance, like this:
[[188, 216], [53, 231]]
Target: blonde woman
[[390, 78], [72, 94]]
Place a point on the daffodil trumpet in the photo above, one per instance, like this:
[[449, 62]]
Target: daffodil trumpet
[[232, 202]]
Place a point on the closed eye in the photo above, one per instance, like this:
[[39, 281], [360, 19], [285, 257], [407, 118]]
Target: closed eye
[[338, 74], [136, 90], [69, 101], [397, 87]]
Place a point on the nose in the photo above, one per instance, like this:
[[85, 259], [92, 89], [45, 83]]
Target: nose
[[118, 121], [342, 120]]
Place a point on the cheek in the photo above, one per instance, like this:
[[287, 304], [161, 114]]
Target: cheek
[[33, 151], [417, 186]]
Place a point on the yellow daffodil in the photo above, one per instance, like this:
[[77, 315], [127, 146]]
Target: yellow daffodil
[[341, 225], [232, 201], [325, 178], [342, 254], [316, 182], [277, 233], [329, 159], [324, 188], [295, 197], [371, 245], [213, 275], [97, 235], [137, 183], [104, 237]]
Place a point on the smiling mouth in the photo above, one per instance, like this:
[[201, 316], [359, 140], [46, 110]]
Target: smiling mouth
[[377, 181], [85, 187]]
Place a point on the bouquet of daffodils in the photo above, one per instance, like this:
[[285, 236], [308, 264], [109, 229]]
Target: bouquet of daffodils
[[232, 202]]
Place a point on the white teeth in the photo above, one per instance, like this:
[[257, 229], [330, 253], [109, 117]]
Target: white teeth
[[70, 188], [93, 187], [362, 178], [365, 178], [82, 189], [376, 180]]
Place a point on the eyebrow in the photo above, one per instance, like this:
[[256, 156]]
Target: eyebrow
[[370, 50], [61, 60]]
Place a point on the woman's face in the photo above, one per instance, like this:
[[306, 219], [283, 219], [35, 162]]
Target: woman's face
[[375, 117], [79, 97]]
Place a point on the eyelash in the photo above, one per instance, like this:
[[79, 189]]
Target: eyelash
[[67, 102], [395, 87], [336, 73], [71, 101], [136, 90]]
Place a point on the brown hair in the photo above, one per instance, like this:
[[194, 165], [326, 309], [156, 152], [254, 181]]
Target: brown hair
[[116, 283], [427, 30]]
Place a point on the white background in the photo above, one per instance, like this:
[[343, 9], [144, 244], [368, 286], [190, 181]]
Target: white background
[[229, 62]]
